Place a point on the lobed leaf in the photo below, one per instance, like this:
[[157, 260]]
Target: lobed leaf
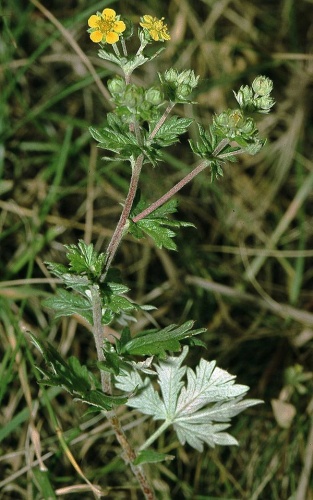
[[209, 395]]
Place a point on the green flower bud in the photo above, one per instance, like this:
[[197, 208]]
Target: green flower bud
[[233, 124], [178, 86], [129, 28], [116, 86], [153, 96], [244, 97], [187, 77], [262, 86], [133, 96], [170, 76], [183, 91], [264, 104]]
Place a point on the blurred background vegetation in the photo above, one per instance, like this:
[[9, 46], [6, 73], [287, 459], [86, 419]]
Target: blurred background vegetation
[[246, 273]]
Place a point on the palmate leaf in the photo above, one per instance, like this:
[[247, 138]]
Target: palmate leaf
[[199, 409]]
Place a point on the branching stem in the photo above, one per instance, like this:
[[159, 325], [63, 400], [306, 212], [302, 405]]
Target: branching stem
[[220, 147], [204, 164], [161, 120], [122, 223]]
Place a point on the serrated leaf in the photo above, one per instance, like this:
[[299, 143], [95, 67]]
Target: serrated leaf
[[157, 224], [162, 236], [65, 303], [57, 269], [84, 259], [192, 407], [73, 377], [124, 143], [157, 342], [109, 56], [100, 400], [170, 131]]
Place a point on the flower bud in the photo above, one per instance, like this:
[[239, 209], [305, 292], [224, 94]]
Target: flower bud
[[183, 91], [153, 96], [262, 86], [264, 104], [171, 76], [116, 86]]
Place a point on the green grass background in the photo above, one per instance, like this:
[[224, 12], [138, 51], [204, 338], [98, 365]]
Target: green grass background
[[246, 273]]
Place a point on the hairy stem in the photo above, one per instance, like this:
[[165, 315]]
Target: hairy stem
[[161, 120], [204, 164], [98, 335], [220, 147], [129, 453], [124, 47], [122, 223]]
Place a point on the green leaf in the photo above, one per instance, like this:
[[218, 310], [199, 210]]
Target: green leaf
[[102, 401], [162, 236], [84, 259], [123, 340], [170, 131], [108, 56], [151, 456], [123, 143], [111, 363], [73, 377], [192, 407], [66, 303], [157, 224], [157, 342]]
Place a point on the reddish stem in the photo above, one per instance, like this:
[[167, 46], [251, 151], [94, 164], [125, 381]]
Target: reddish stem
[[204, 164]]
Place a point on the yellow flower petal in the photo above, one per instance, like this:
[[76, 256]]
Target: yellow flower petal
[[111, 37], [154, 34], [147, 19], [96, 36], [119, 26], [93, 21], [109, 13], [166, 36], [155, 27]]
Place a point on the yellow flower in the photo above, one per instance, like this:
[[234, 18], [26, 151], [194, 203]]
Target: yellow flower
[[156, 28], [105, 27]]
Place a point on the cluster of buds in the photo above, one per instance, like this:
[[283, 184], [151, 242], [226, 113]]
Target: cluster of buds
[[132, 100], [257, 97], [177, 85], [232, 124]]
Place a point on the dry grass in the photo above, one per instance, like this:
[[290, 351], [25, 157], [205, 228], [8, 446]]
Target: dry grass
[[246, 273]]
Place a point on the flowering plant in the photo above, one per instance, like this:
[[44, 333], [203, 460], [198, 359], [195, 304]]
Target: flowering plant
[[197, 404]]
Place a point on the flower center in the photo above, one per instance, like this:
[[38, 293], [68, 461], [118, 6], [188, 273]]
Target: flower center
[[105, 25]]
